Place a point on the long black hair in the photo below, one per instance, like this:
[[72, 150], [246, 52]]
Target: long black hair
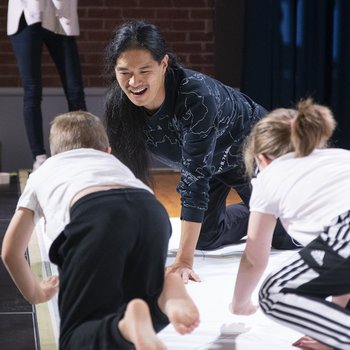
[[124, 121]]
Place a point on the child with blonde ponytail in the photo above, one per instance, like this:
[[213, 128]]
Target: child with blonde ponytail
[[297, 179]]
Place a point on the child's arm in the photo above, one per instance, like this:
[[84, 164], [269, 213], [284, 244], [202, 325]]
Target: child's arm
[[14, 246], [253, 262]]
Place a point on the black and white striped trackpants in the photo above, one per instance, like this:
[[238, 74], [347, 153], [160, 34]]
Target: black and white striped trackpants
[[295, 295]]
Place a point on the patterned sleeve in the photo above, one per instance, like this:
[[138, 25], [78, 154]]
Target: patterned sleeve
[[199, 134]]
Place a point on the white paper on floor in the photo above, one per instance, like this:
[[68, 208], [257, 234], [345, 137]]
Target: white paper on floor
[[219, 329], [222, 252]]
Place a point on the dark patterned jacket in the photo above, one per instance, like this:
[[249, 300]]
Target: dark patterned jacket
[[199, 129]]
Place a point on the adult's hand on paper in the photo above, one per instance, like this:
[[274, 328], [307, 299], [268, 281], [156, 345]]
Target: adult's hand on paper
[[185, 271]]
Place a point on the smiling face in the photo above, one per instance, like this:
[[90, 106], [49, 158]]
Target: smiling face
[[142, 78]]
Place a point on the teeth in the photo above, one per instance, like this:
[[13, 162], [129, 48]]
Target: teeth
[[138, 91]]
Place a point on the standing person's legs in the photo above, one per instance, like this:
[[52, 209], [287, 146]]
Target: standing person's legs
[[27, 46], [64, 52], [295, 294]]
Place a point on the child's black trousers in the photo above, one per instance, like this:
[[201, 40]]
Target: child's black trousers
[[113, 250]]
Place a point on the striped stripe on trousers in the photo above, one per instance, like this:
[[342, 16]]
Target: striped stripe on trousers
[[293, 297]]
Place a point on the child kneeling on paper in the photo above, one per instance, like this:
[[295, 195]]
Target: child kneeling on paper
[[110, 238], [306, 186]]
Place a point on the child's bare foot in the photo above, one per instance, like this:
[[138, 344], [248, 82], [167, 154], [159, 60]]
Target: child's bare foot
[[309, 343], [136, 327], [175, 302]]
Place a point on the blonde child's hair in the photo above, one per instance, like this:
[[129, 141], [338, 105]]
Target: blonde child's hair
[[281, 131], [77, 129]]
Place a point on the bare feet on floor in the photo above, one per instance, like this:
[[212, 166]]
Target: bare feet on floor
[[176, 303], [308, 343], [136, 327]]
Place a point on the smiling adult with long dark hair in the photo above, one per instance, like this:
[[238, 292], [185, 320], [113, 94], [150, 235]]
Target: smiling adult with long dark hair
[[189, 121]]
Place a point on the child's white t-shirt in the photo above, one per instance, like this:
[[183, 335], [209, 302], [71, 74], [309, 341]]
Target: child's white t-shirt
[[305, 193], [51, 188]]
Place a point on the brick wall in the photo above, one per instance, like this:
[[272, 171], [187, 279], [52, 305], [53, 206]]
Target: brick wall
[[187, 26]]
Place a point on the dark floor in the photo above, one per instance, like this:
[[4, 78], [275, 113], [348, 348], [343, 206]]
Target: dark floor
[[17, 317]]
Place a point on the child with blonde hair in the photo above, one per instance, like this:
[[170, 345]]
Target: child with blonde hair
[[110, 238], [306, 186]]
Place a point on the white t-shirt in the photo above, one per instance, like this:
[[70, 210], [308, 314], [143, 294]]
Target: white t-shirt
[[305, 193], [51, 188]]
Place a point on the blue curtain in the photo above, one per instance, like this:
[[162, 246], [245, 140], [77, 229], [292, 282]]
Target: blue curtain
[[296, 49]]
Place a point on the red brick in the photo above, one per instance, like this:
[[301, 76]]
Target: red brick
[[172, 13], [187, 47], [123, 3], [90, 24], [10, 81], [144, 13], [158, 3], [104, 12], [201, 36], [92, 3], [202, 58], [175, 36], [187, 26], [190, 3], [202, 14]]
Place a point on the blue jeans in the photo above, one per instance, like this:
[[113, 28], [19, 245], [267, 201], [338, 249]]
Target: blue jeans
[[27, 44]]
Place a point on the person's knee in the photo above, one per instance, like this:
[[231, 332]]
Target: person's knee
[[227, 229]]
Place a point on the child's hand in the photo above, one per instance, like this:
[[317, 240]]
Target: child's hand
[[247, 309], [49, 287]]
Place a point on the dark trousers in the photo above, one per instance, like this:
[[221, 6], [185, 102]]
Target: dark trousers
[[113, 250], [224, 225], [28, 44], [295, 294]]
